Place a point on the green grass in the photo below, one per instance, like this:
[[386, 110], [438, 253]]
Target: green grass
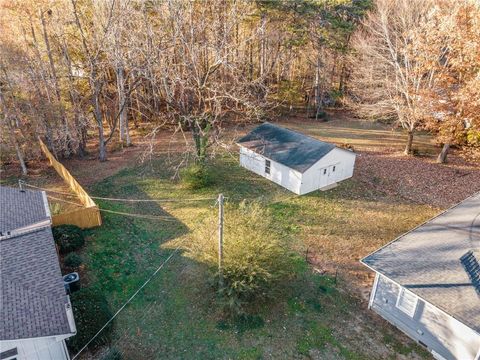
[[175, 315]]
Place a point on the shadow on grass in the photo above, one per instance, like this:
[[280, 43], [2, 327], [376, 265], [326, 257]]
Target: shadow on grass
[[176, 315], [125, 250]]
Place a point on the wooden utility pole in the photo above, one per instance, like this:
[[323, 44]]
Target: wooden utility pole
[[220, 240]]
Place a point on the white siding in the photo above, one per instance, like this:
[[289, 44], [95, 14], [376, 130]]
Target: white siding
[[314, 178], [441, 333], [279, 174], [49, 348]]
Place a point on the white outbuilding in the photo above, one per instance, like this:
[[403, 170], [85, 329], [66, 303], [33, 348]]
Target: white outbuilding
[[293, 160]]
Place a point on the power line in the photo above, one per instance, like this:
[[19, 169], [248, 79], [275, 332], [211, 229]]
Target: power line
[[129, 300], [147, 310], [151, 200], [121, 199], [133, 296], [142, 216], [66, 201]]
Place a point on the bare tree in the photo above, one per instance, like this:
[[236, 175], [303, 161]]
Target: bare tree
[[203, 82], [8, 123], [388, 79]]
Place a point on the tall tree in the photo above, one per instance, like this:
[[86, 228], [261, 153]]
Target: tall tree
[[451, 43], [389, 80]]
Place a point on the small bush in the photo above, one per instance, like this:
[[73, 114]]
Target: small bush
[[73, 260], [68, 238], [196, 176], [113, 354], [91, 312], [254, 259]]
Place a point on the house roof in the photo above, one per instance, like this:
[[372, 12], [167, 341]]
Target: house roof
[[33, 302], [285, 146], [21, 208], [427, 261]]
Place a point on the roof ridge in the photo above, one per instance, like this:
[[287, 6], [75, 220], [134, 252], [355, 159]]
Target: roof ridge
[[297, 132], [38, 226]]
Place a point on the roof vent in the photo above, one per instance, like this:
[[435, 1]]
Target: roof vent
[[472, 267]]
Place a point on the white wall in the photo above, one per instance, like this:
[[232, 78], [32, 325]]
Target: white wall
[[48, 348], [443, 334], [344, 162], [279, 174]]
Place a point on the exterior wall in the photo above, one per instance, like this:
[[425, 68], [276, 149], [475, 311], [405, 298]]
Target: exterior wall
[[48, 348], [314, 178], [279, 174], [445, 337]]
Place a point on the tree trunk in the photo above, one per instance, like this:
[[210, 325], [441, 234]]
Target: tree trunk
[[79, 126], [102, 152], [442, 157], [121, 103], [20, 157], [13, 138], [200, 138], [128, 140], [408, 146], [262, 45], [58, 95], [317, 90]]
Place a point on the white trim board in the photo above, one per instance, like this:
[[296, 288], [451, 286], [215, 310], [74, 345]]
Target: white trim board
[[425, 301]]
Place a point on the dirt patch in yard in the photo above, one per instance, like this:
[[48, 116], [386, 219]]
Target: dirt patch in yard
[[419, 179]]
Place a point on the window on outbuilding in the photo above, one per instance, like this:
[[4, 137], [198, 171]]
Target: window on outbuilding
[[267, 166], [407, 302]]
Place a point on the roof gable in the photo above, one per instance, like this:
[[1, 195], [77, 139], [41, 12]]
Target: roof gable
[[428, 261], [285, 146]]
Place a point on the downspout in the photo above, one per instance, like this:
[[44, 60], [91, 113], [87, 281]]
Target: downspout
[[374, 290]]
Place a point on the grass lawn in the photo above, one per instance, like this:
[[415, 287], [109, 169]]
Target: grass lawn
[[315, 315]]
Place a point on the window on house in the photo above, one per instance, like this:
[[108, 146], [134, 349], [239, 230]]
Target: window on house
[[324, 171], [407, 302], [267, 166], [333, 168]]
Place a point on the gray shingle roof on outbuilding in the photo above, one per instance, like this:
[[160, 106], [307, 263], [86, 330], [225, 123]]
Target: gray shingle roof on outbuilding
[[426, 261], [285, 146], [32, 295]]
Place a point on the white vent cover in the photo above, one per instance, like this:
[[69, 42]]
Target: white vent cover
[[407, 302]]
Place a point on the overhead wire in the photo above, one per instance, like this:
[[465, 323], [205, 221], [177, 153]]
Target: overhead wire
[[141, 216], [121, 199], [149, 308], [150, 278], [150, 217], [127, 302], [146, 310]]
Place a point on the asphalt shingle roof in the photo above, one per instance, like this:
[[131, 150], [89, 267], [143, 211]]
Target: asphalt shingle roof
[[32, 295], [426, 261], [19, 209], [287, 147]]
